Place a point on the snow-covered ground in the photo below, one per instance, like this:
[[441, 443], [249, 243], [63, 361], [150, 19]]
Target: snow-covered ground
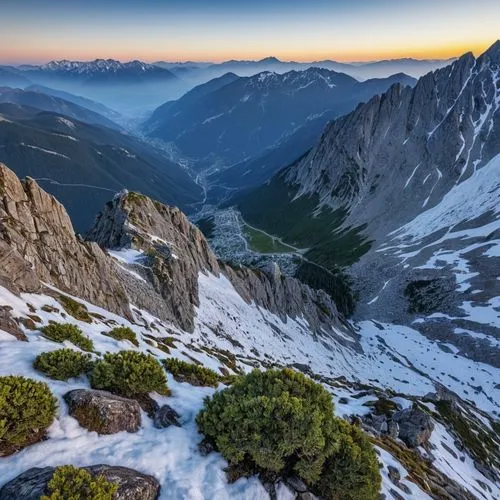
[[225, 322]]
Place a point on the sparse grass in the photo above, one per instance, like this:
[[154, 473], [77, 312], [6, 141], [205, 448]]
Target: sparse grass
[[382, 406], [74, 308], [479, 444], [261, 242]]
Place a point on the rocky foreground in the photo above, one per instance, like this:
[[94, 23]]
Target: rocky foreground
[[145, 280]]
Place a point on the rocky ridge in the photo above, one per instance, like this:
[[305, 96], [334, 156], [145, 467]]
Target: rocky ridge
[[172, 254]]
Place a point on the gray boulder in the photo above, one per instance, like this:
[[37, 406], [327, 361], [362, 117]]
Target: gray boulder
[[132, 485], [415, 426], [103, 412]]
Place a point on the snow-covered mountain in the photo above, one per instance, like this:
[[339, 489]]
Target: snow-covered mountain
[[125, 86], [93, 71], [161, 279], [404, 192], [199, 72], [231, 119]]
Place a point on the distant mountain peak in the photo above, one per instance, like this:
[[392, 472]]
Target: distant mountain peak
[[270, 59]]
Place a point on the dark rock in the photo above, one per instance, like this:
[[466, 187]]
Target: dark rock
[[103, 412], [147, 403], [206, 447], [404, 488], [296, 484], [393, 429], [415, 426], [396, 495], [343, 401], [394, 474], [132, 485], [165, 417]]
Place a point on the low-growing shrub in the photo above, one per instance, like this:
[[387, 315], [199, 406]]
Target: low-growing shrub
[[74, 308], [123, 333], [352, 472], [27, 408], [129, 373], [279, 421], [63, 363], [72, 483], [59, 332], [191, 373]]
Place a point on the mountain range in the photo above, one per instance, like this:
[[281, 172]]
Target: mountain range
[[129, 87], [404, 193], [199, 72], [83, 163], [232, 119]]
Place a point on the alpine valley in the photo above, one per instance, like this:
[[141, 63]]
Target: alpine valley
[[250, 280]]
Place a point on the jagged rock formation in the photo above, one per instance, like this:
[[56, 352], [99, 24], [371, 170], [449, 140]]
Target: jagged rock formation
[[132, 485], [175, 252], [409, 183], [38, 246]]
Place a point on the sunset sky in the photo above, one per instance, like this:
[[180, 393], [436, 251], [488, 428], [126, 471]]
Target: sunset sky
[[346, 30]]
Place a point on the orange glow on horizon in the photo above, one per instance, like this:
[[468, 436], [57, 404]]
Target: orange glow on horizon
[[41, 55]]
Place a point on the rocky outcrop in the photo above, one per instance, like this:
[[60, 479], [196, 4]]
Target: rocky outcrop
[[103, 412], [415, 426], [38, 245], [7, 324], [392, 169], [175, 252], [132, 485]]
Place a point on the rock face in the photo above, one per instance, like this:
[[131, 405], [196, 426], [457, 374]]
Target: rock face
[[415, 426], [132, 485], [103, 412], [415, 173], [38, 244], [175, 252]]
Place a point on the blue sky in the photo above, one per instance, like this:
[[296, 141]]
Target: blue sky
[[40, 30]]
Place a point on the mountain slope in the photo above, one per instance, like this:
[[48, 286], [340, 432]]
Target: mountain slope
[[44, 102], [378, 366], [83, 165], [403, 157], [94, 106], [243, 118]]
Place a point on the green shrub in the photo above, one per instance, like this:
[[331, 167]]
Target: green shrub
[[72, 483], [278, 421], [123, 333], [352, 472], [191, 373], [63, 363], [27, 408], [129, 373], [59, 332], [74, 308]]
